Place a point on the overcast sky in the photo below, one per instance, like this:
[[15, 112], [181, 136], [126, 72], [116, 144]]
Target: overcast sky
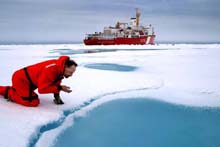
[[69, 20]]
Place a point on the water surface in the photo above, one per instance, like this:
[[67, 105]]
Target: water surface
[[144, 123], [111, 66]]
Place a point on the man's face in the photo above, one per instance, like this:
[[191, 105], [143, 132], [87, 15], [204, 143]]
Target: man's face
[[68, 71]]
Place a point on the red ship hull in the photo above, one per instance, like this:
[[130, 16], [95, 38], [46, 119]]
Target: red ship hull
[[121, 41]]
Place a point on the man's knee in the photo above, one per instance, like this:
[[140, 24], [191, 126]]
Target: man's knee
[[33, 103]]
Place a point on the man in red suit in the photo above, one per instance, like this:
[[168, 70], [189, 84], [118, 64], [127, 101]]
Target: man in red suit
[[46, 76]]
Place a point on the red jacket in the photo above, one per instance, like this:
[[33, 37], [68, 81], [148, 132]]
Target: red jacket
[[47, 75]]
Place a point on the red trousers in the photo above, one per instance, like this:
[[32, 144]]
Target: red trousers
[[21, 91]]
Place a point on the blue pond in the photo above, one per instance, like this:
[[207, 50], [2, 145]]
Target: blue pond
[[144, 123], [110, 66]]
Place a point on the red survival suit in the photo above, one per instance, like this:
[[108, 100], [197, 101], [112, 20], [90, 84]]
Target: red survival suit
[[46, 76]]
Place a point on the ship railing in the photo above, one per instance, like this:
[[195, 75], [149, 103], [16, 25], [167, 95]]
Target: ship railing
[[107, 38], [103, 36], [92, 35]]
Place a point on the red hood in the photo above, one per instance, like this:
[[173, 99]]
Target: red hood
[[61, 63]]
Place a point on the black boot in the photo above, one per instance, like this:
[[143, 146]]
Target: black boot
[[6, 94], [57, 99]]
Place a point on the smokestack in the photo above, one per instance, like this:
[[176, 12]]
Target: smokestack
[[138, 14]]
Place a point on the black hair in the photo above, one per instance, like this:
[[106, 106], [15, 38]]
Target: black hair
[[70, 62]]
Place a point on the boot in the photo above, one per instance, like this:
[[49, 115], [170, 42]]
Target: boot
[[3, 90]]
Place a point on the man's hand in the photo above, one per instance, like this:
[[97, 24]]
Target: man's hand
[[66, 88]]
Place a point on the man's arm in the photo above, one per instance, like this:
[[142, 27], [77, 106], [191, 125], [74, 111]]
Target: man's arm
[[48, 81]]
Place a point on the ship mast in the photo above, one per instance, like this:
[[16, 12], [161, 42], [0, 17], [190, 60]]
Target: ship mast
[[138, 14]]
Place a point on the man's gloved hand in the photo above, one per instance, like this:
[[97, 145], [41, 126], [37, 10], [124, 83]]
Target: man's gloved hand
[[57, 99], [65, 88]]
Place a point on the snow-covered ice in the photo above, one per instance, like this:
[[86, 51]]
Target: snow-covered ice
[[184, 74]]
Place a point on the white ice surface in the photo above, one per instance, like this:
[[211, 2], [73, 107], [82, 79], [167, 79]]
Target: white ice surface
[[185, 74]]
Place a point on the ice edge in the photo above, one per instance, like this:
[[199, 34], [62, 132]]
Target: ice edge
[[52, 125]]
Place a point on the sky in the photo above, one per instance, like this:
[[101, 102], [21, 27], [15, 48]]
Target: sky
[[67, 21]]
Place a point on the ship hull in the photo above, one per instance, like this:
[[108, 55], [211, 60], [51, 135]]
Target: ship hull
[[121, 41]]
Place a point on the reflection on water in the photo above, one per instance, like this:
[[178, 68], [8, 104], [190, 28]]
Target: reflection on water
[[112, 67], [144, 123], [79, 51], [67, 51]]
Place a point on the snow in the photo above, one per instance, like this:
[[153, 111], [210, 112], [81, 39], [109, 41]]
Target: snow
[[183, 74]]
